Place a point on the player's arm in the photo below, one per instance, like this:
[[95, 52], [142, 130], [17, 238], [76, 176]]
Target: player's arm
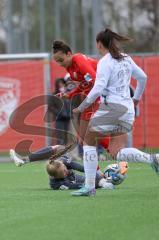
[[72, 164], [141, 78], [64, 184], [76, 166]]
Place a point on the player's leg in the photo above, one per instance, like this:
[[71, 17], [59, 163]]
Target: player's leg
[[104, 142], [116, 143], [122, 154], [83, 126], [104, 146], [90, 158], [42, 154], [119, 152], [135, 155]]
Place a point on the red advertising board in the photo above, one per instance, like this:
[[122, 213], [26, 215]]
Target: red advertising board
[[21, 81]]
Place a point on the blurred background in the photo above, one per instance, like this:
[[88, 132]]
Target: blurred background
[[28, 27], [31, 25]]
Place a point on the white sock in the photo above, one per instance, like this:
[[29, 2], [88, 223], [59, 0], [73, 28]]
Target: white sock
[[90, 158], [133, 155]]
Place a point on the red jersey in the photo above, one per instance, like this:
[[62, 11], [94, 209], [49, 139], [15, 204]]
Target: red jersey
[[82, 70]]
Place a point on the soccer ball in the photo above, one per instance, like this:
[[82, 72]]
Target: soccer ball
[[116, 173]]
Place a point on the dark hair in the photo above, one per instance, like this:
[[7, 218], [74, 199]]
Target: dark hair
[[59, 45], [111, 40], [57, 81]]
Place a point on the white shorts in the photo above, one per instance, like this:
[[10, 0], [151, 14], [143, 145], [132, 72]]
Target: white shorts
[[112, 118]]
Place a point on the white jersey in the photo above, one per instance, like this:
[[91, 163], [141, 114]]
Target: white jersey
[[113, 80]]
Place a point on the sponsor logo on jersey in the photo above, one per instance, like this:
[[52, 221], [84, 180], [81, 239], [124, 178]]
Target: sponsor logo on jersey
[[9, 99]]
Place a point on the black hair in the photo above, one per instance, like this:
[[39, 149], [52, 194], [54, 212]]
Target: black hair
[[57, 81], [59, 45], [111, 40]]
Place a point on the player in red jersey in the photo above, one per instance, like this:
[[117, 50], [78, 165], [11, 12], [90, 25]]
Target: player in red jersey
[[82, 70]]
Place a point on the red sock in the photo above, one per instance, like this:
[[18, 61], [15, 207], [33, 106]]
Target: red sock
[[105, 142]]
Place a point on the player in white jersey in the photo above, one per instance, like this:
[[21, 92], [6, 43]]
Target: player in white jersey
[[115, 115]]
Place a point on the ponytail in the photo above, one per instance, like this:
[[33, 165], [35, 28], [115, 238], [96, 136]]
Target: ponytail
[[111, 40]]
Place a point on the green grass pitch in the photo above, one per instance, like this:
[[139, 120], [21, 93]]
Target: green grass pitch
[[30, 211]]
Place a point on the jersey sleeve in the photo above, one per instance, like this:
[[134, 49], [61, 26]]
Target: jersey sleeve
[[102, 77], [72, 164], [84, 66], [141, 78], [64, 184], [76, 166], [87, 70]]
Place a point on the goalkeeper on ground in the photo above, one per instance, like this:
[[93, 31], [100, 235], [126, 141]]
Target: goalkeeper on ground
[[60, 168], [63, 175]]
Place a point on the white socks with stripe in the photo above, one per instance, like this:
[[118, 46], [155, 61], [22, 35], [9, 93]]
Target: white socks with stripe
[[90, 158], [133, 155]]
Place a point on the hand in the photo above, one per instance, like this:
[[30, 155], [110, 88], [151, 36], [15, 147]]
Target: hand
[[136, 102], [65, 95], [62, 95], [76, 111], [59, 95]]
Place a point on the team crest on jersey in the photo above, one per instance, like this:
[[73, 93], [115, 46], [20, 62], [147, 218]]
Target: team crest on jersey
[[9, 99]]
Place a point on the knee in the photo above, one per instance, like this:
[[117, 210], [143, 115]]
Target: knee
[[114, 151], [87, 141], [113, 154]]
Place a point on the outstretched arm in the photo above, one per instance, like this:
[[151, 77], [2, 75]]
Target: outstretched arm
[[75, 166]]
